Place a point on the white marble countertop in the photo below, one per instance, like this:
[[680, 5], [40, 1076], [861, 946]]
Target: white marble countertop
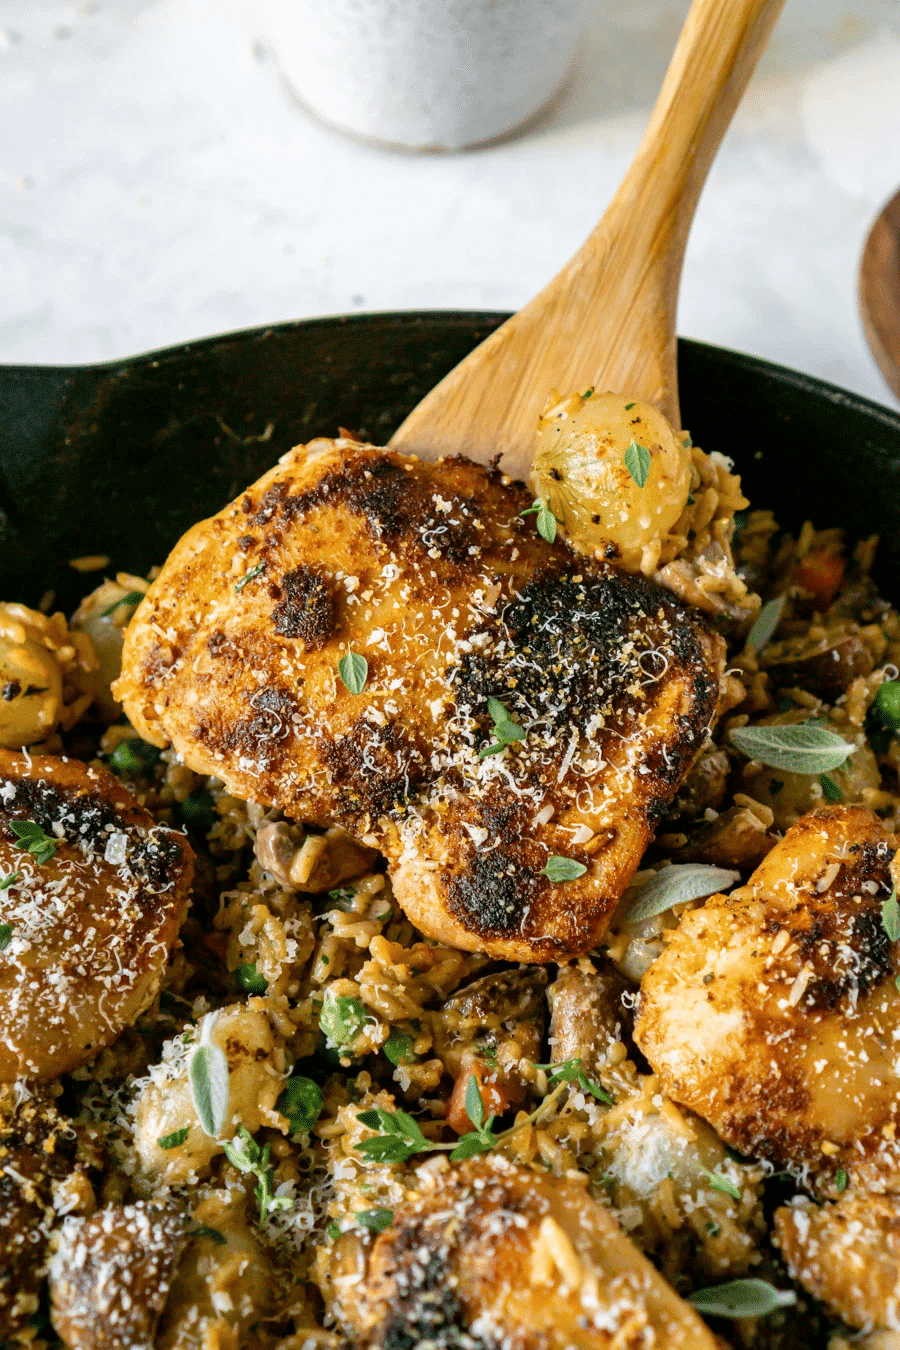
[[158, 182]]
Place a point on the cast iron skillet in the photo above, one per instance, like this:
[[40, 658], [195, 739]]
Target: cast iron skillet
[[121, 458]]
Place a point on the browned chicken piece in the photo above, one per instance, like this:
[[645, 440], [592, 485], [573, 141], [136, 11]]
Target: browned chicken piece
[[774, 1013], [40, 1176], [110, 1275], [847, 1255], [498, 1257], [431, 573], [92, 912]]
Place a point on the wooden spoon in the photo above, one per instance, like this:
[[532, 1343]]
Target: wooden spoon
[[879, 293], [608, 318]]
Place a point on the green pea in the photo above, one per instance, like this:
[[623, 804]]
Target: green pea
[[133, 757], [249, 978], [198, 811]]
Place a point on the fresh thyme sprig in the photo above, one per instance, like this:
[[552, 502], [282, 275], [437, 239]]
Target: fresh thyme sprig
[[244, 1153], [572, 1071], [506, 730]]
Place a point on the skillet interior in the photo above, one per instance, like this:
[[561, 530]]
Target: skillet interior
[[121, 458]]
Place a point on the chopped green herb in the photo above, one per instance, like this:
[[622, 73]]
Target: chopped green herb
[[6, 882], [713, 1230], [354, 671], [840, 1181], [254, 572], [210, 1087], [201, 1231], [302, 1103], [175, 1139], [805, 747], [249, 978], [830, 788], [506, 730], [376, 1219], [133, 756], [720, 1183], [587, 393], [131, 599], [688, 443], [342, 896], [637, 462], [563, 869], [333, 1231], [341, 1020], [399, 1048], [546, 520], [245, 1154], [400, 1140], [572, 1071], [34, 840], [629, 406], [5, 936], [691, 501], [890, 916], [741, 1298]]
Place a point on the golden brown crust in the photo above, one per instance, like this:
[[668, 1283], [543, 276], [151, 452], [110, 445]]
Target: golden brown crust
[[496, 1255], [431, 572], [91, 928], [111, 1273], [774, 1013], [847, 1255]]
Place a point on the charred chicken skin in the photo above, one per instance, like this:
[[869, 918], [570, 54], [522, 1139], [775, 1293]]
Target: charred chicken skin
[[469, 622]]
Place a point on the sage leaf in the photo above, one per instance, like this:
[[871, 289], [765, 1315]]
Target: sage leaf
[[767, 620], [890, 916], [208, 1077], [804, 747], [637, 462], [354, 671], [474, 1104], [563, 869], [741, 1298], [677, 884]]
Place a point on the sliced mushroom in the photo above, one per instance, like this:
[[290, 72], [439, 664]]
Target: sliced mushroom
[[739, 838], [111, 1273], [825, 667], [704, 787], [586, 1016], [39, 1149], [310, 862]]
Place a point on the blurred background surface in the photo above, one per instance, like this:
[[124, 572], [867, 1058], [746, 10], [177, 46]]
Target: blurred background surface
[[160, 182]]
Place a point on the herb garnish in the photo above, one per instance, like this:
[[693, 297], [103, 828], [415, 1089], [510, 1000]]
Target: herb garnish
[[201, 1231], [767, 620], [210, 1086], [6, 882], [398, 1048], [546, 520], [804, 747], [376, 1219], [333, 1231], [506, 730], [563, 869], [302, 1103], [720, 1183], [133, 756], [175, 1139], [132, 598], [572, 1071], [840, 1181], [741, 1298], [5, 936], [244, 1153], [33, 840], [341, 1020], [890, 916], [354, 671], [830, 788], [886, 705], [248, 576], [637, 462], [677, 884]]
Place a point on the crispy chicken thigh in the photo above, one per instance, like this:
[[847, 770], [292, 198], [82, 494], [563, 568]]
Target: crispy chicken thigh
[[519, 1261], [774, 1013], [431, 573], [90, 927]]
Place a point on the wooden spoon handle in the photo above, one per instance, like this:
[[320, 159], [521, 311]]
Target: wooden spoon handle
[[608, 318]]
